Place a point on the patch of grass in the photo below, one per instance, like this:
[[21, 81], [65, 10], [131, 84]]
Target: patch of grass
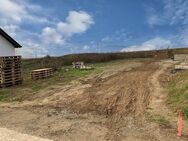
[[3, 95], [36, 87], [8, 94], [178, 63], [71, 72], [158, 119], [185, 111], [178, 93]]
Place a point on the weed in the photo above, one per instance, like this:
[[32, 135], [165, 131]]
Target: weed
[[3, 97], [158, 119], [36, 87], [185, 111]]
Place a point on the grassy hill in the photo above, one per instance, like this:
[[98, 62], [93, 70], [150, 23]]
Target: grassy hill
[[58, 62]]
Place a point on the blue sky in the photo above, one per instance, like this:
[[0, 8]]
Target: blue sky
[[58, 27]]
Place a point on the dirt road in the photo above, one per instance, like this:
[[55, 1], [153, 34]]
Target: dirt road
[[113, 108]]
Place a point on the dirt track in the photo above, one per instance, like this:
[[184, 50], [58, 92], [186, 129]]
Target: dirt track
[[110, 108]]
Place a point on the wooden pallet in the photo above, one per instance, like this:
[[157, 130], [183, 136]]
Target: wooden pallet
[[41, 73], [10, 84], [10, 57], [10, 71]]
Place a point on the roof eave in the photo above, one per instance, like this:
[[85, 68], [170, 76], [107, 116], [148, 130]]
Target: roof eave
[[10, 39]]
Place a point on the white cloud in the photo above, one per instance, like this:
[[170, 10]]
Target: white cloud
[[11, 10], [31, 50], [155, 20], [26, 52], [11, 29], [106, 39], [173, 12], [121, 36], [183, 37], [153, 44], [16, 12], [86, 47], [176, 11], [76, 22], [51, 36]]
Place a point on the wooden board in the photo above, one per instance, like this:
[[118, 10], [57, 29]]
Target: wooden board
[[41, 73], [10, 71]]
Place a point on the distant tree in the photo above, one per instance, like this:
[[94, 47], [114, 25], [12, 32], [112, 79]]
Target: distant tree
[[47, 56]]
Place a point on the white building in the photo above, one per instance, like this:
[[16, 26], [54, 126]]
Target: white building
[[7, 44]]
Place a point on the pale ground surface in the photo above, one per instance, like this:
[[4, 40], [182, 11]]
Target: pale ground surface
[[110, 106], [9, 135]]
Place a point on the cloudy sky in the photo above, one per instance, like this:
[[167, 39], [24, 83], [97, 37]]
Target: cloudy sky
[[58, 27]]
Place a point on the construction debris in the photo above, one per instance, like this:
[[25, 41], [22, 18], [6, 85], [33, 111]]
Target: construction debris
[[10, 71], [41, 73], [78, 65], [81, 65], [87, 68]]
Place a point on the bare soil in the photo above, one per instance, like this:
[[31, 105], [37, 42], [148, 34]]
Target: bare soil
[[105, 107]]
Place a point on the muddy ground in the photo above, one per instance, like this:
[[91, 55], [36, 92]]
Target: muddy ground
[[116, 105]]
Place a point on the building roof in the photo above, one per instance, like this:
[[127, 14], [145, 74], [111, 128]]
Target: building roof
[[10, 39]]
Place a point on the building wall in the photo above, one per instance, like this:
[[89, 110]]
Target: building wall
[[6, 48]]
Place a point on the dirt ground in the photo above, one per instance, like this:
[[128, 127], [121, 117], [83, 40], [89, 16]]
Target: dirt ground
[[111, 106]]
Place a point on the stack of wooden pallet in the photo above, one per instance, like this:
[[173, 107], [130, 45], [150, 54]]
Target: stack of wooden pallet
[[41, 73], [10, 71]]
